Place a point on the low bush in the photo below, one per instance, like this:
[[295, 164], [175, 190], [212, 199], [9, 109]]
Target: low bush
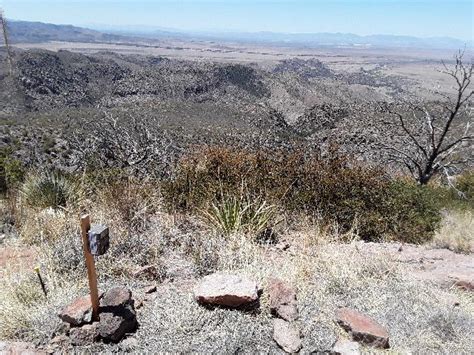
[[333, 186]]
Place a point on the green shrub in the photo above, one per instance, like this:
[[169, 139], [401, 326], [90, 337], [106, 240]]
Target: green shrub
[[44, 190], [333, 187], [11, 170], [412, 211], [465, 184]]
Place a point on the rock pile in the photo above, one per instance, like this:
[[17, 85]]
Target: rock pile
[[117, 317], [284, 307]]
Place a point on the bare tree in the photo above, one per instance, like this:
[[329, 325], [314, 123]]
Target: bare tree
[[132, 143], [3, 28], [428, 138]]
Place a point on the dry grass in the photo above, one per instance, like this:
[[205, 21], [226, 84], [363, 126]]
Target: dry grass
[[326, 273], [456, 232]]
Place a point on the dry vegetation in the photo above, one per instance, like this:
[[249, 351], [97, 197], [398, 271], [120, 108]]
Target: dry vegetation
[[325, 261]]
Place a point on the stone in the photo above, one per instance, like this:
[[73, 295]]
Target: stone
[[346, 347], [282, 300], [362, 328], [149, 289], [113, 326], [148, 272], [117, 314], [78, 312], [117, 296], [85, 335], [287, 336], [226, 290]]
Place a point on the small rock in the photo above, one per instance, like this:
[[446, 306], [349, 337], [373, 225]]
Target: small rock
[[226, 290], [149, 289], [117, 296], [78, 312], [282, 300], [346, 347], [85, 335], [362, 328], [286, 336]]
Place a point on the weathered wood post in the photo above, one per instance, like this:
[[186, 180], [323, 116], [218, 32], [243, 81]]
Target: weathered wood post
[[91, 274]]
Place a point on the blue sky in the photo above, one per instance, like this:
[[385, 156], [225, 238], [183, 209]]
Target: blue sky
[[422, 18]]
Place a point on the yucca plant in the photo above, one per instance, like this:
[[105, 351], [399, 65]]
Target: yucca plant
[[236, 214], [49, 190]]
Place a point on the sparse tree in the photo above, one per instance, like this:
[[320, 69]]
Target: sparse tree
[[431, 138]]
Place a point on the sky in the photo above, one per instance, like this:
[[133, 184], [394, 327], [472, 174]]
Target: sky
[[421, 18]]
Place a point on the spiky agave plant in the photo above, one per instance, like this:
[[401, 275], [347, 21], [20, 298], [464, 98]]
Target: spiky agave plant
[[237, 214], [49, 190]]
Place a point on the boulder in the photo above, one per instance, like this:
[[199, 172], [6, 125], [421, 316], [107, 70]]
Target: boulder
[[85, 335], [117, 315], [226, 290], [282, 300], [287, 336], [346, 347], [78, 312], [362, 328]]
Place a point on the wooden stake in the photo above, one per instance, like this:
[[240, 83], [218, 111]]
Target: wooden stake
[[91, 274]]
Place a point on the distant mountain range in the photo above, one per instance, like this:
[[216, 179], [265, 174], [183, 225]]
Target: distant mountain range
[[33, 32]]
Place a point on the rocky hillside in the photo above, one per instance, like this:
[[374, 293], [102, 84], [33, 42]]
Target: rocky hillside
[[46, 81]]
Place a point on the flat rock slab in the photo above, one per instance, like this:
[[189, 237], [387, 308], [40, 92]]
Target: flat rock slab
[[78, 312], [287, 336], [346, 347], [282, 300], [226, 290], [362, 328]]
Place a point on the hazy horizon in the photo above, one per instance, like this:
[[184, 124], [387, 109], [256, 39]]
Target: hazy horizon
[[383, 17]]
